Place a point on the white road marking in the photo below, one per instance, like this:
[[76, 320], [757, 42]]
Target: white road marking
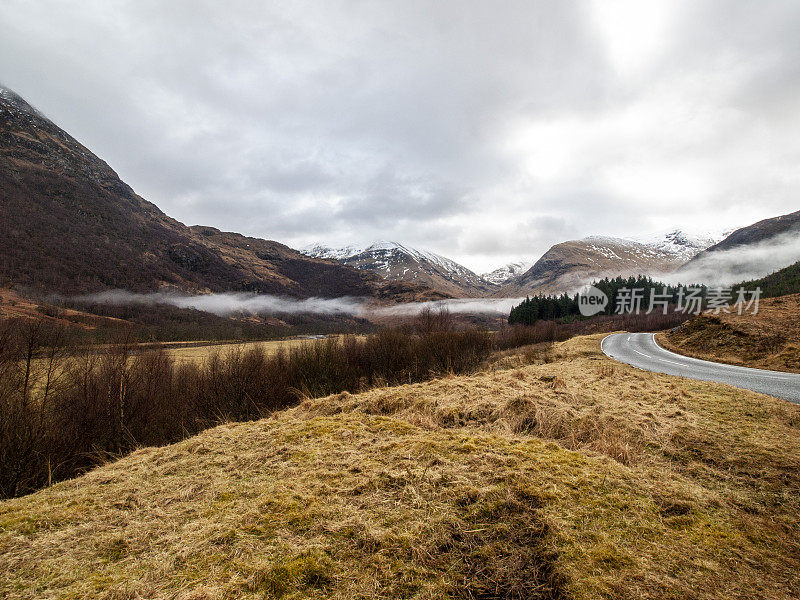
[[674, 362]]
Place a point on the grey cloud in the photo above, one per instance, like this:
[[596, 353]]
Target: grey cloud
[[321, 120]]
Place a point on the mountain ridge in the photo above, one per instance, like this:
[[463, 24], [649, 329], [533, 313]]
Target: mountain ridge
[[507, 272], [395, 262], [70, 225], [565, 267], [570, 265]]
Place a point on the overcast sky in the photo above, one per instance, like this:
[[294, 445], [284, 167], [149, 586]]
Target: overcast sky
[[485, 131]]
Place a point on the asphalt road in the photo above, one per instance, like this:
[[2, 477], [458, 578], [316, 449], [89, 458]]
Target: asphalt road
[[641, 350]]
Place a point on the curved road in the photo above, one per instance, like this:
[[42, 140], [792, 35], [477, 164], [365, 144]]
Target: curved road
[[641, 350]]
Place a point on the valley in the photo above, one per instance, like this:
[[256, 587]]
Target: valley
[[440, 301]]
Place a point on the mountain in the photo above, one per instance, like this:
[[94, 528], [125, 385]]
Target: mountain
[[679, 244], [763, 231], [748, 253], [68, 224], [396, 262], [569, 265], [507, 272]]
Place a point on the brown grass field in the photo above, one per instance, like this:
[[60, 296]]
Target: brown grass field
[[552, 473], [200, 353], [767, 340]]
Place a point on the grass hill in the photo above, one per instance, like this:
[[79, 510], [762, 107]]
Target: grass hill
[[553, 473]]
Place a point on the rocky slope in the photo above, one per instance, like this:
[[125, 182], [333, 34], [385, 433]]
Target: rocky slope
[[395, 262], [68, 224]]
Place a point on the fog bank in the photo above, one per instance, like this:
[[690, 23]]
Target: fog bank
[[230, 303], [727, 267]]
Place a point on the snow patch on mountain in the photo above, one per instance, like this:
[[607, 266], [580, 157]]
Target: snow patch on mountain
[[394, 261], [680, 243], [507, 272], [15, 104], [323, 251], [388, 254]]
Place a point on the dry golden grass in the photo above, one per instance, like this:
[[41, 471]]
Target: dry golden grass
[[201, 353], [555, 473], [195, 352], [767, 340]]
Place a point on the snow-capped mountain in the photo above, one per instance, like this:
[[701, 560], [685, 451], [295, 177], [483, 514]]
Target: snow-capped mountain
[[570, 265], [564, 268], [749, 252], [507, 272], [322, 251], [680, 243], [397, 262]]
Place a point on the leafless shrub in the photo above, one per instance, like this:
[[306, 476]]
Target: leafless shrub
[[61, 412]]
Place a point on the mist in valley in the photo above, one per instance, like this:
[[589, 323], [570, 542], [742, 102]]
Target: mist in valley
[[232, 303]]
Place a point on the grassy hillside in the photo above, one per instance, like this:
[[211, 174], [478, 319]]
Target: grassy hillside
[[555, 473], [767, 340]]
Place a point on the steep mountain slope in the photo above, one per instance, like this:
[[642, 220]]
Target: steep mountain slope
[[570, 265], [396, 262], [68, 224], [748, 253], [762, 231]]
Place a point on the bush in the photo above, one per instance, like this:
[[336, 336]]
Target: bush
[[63, 410]]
